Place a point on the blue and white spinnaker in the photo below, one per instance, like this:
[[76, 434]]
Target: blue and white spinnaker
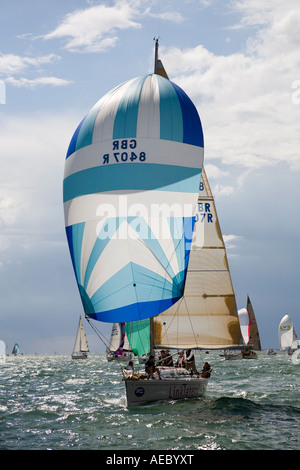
[[131, 182]]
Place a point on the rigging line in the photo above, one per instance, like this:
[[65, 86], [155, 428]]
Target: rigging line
[[169, 263], [190, 319], [158, 260], [96, 331], [171, 321]]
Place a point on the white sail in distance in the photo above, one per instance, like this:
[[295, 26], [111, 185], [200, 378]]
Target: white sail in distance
[[285, 332], [81, 344], [118, 338]]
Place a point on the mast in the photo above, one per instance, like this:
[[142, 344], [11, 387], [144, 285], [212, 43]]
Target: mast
[[159, 70], [158, 65], [156, 55]]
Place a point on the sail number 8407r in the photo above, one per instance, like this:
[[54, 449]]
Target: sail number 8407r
[[123, 151]]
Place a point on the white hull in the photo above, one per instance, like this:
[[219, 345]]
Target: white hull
[[80, 355], [111, 357], [174, 385]]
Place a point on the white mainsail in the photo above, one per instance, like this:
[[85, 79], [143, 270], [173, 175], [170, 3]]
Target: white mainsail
[[119, 347], [81, 347], [206, 316]]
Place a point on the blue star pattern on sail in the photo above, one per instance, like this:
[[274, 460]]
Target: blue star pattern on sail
[[132, 175]]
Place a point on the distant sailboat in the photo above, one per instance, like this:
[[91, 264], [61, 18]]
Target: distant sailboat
[[119, 348], [295, 344], [288, 339], [16, 349], [250, 334], [2, 351], [249, 331], [285, 332], [254, 340], [81, 347]]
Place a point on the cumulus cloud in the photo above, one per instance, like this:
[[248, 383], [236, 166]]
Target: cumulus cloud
[[246, 100], [94, 29], [15, 64], [39, 81], [12, 65], [31, 173], [172, 16]]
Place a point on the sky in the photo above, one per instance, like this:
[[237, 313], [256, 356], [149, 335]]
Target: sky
[[239, 62]]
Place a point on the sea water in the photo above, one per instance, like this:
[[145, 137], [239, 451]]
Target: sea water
[[56, 403]]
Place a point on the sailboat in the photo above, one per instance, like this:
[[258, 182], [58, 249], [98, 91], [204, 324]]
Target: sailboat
[[295, 344], [81, 347], [245, 324], [131, 204], [250, 334], [206, 316], [288, 339], [254, 340], [119, 348], [16, 349]]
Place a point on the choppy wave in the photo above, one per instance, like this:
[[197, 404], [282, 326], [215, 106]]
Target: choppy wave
[[52, 402]]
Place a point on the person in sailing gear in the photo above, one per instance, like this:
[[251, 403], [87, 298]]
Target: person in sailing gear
[[162, 358], [150, 367], [181, 360], [206, 370], [130, 366], [190, 361], [168, 359]]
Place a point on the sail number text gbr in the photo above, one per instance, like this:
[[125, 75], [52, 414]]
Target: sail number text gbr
[[124, 151], [204, 212]]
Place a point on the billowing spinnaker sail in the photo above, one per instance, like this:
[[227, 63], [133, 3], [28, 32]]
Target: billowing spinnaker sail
[[244, 319], [131, 182], [138, 333], [206, 316], [285, 332]]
